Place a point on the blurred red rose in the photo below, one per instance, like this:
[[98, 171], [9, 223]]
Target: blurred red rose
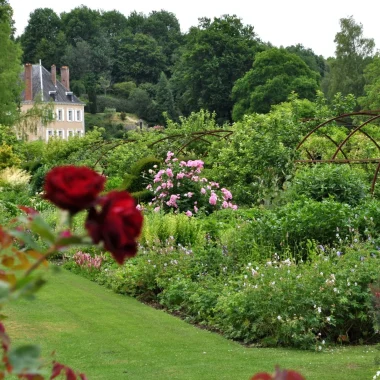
[[117, 224], [73, 188]]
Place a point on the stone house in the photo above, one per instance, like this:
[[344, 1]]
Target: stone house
[[68, 112]]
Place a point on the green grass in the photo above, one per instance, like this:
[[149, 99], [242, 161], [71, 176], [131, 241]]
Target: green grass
[[111, 337]]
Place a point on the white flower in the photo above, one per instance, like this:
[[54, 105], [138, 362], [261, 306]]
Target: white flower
[[320, 348], [323, 342], [328, 319], [279, 317], [319, 310]]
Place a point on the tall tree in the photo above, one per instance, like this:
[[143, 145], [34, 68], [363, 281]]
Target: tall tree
[[81, 23], [215, 55], [274, 75], [136, 22], [353, 53], [139, 59], [41, 36], [113, 23], [164, 27], [164, 99], [10, 67]]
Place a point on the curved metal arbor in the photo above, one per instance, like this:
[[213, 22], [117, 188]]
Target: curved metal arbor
[[105, 147], [345, 121]]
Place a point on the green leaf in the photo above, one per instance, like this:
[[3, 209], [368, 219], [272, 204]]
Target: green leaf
[[40, 227], [26, 238], [25, 359]]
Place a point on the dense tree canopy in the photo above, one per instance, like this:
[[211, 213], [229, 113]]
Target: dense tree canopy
[[81, 23], [274, 75], [41, 37], [215, 55], [139, 58], [10, 67], [314, 61]]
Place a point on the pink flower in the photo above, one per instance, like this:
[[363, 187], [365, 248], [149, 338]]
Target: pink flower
[[172, 202], [195, 164], [225, 204], [169, 155], [157, 209], [203, 190], [157, 177], [189, 213], [195, 209], [189, 194], [213, 199], [180, 175], [226, 194], [169, 172]]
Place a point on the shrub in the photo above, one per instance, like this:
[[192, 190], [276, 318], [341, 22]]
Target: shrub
[[181, 187], [340, 182]]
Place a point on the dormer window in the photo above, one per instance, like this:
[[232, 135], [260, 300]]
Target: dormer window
[[69, 94], [53, 95]]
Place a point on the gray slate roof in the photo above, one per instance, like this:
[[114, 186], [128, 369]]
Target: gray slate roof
[[60, 96]]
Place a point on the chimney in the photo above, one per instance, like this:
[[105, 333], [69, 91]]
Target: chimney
[[28, 82], [65, 77], [53, 72]]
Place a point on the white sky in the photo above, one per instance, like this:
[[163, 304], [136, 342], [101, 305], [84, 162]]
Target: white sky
[[281, 22]]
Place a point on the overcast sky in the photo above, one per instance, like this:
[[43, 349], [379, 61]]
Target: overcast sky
[[283, 23]]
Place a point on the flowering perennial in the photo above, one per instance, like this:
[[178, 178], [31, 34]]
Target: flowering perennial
[[181, 187], [85, 260]]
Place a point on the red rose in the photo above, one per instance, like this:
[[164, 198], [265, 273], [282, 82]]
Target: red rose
[[73, 188], [117, 224]]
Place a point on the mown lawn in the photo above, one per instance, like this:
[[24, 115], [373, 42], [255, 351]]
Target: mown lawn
[[111, 337]]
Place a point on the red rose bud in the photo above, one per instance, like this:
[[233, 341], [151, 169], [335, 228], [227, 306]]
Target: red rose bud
[[73, 188], [117, 225]]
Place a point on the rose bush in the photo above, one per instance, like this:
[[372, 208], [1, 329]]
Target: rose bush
[[73, 188], [181, 187]]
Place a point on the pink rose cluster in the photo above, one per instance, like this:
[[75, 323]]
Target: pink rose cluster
[[171, 188]]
